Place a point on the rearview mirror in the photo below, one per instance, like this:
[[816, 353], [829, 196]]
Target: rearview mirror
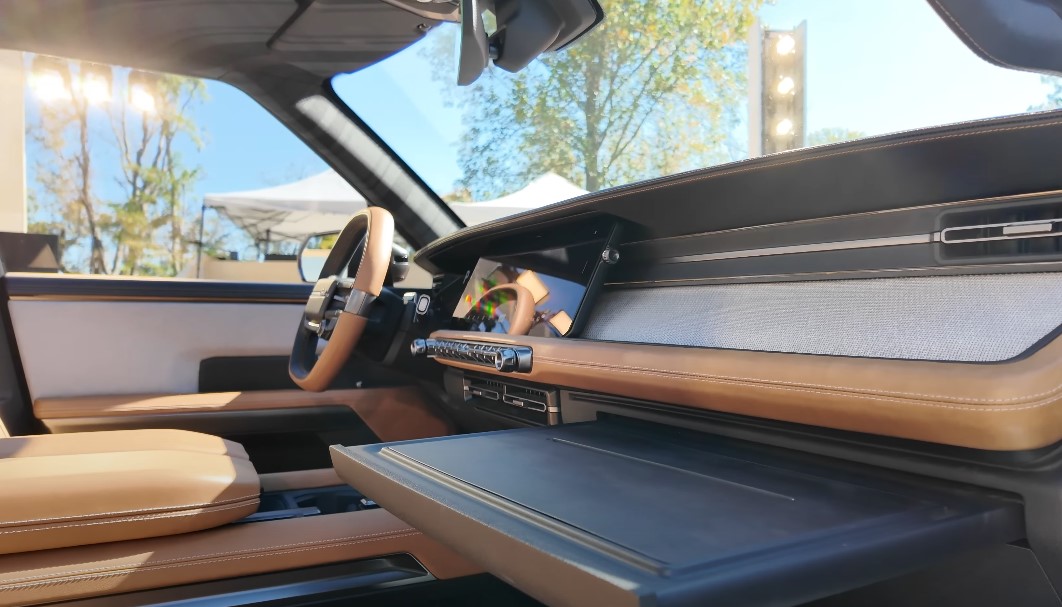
[[524, 30], [313, 253]]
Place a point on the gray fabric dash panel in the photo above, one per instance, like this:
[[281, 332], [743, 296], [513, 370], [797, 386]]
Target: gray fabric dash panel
[[978, 318]]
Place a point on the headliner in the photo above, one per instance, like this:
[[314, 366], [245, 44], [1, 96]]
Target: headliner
[[212, 38]]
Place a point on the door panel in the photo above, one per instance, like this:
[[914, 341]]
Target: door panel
[[90, 335], [107, 353], [392, 414], [77, 348]]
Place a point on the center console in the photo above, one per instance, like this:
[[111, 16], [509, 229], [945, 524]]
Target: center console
[[546, 291]]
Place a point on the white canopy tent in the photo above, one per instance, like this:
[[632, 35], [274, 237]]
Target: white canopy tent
[[545, 189], [292, 211], [325, 202]]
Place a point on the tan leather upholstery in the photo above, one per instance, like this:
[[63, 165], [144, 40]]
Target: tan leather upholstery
[[76, 489], [391, 413], [300, 479], [119, 441], [375, 261], [1001, 406], [345, 337], [231, 551]]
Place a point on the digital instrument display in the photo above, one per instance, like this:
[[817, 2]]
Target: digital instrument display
[[536, 293]]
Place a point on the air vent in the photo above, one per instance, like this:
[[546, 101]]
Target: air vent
[[1003, 232]]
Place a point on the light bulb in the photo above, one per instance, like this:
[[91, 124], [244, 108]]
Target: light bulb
[[784, 127], [786, 85], [786, 44], [95, 88], [141, 99], [49, 86]]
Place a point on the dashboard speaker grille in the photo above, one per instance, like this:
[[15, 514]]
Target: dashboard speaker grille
[[972, 318]]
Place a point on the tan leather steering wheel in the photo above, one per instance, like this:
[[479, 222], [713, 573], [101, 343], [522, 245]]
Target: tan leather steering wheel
[[338, 307]]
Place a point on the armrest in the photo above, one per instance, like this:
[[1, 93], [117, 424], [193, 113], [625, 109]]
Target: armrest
[[71, 489]]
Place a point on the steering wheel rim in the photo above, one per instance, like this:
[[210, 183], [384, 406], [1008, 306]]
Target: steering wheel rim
[[338, 306]]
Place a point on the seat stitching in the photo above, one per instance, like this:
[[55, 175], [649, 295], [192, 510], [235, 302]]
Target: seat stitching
[[123, 512], [765, 386], [758, 381], [202, 559], [131, 519]]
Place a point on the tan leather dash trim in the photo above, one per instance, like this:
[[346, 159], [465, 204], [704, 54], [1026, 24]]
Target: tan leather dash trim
[[1001, 406], [392, 413]]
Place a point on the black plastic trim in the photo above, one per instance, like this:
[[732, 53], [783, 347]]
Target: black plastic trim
[[1035, 476], [94, 288], [897, 171], [645, 514], [16, 411], [311, 585]]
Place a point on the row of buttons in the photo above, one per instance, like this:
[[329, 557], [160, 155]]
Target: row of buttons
[[477, 353], [501, 357]]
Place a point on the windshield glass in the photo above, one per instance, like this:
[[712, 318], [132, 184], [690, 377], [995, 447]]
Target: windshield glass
[[661, 88]]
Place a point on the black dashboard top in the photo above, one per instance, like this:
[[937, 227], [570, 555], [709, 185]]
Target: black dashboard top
[[970, 160]]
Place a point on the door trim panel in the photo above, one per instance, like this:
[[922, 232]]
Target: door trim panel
[[52, 287], [393, 414]]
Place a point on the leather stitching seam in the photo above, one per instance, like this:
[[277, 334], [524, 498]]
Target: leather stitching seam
[[133, 519], [765, 386], [211, 558], [846, 389], [139, 511], [968, 37]]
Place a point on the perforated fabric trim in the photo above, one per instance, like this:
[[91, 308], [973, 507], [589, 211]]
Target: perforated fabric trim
[[977, 318]]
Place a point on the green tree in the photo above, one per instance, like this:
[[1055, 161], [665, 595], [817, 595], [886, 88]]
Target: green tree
[[655, 88], [832, 135], [64, 173], [144, 226], [1054, 95], [151, 227]]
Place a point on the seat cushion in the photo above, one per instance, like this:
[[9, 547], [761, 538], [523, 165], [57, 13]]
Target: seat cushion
[[75, 489], [115, 441]]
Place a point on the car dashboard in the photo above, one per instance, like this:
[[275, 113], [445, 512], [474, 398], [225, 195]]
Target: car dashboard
[[715, 367]]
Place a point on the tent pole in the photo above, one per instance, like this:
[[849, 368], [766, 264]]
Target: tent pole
[[199, 241], [268, 238]]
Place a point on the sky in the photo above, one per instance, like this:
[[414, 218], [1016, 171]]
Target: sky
[[872, 66]]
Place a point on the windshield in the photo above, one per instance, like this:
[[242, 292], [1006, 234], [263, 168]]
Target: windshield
[[662, 88]]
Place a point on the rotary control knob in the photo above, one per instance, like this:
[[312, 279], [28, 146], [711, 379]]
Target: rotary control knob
[[506, 360], [418, 347]]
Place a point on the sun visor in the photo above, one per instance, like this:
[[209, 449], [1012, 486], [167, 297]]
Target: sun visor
[[1016, 34]]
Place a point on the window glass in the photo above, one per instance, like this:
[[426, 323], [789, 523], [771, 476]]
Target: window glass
[[665, 87], [142, 174]]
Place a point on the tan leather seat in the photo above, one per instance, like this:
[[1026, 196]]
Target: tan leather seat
[[232, 551], [75, 489]]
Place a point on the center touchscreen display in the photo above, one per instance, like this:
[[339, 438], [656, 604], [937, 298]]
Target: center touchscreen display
[[536, 293]]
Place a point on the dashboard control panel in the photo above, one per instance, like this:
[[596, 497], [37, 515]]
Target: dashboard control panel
[[504, 358]]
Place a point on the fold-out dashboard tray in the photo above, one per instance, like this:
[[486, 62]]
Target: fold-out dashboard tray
[[616, 513]]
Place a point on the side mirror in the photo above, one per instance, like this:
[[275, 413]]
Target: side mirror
[[313, 253], [315, 250]]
